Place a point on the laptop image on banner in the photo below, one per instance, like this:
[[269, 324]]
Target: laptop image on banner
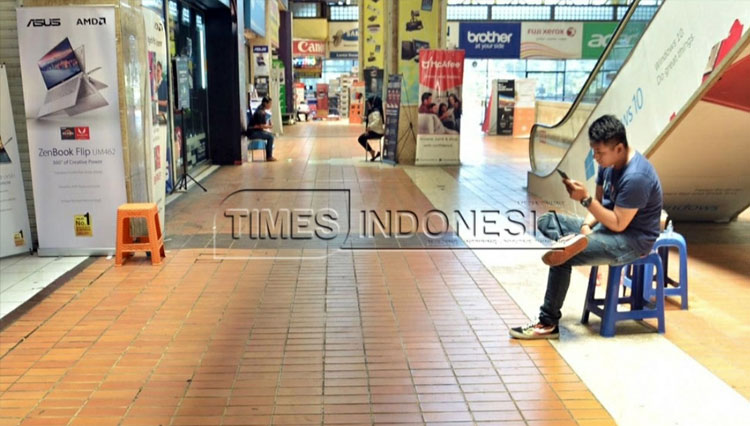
[[61, 73]]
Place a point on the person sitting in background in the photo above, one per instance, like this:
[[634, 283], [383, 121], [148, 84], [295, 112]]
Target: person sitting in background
[[259, 122], [374, 125]]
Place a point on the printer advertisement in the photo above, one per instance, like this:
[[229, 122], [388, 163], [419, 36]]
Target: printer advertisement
[[417, 30], [69, 73]]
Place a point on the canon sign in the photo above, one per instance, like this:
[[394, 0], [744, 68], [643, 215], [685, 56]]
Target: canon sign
[[488, 37], [310, 47]]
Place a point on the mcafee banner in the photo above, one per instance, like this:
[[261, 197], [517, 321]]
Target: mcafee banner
[[441, 74], [69, 67]]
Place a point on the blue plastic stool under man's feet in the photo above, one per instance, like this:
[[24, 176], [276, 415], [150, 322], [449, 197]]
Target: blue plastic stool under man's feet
[[606, 308], [256, 144]]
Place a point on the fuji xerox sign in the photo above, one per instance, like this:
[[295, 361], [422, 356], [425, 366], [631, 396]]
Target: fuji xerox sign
[[481, 40]]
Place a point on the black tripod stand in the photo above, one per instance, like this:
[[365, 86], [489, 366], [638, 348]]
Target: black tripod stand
[[182, 182]]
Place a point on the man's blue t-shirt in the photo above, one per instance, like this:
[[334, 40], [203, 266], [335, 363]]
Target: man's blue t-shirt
[[635, 186]]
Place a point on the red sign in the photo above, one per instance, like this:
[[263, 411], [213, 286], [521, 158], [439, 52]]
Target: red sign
[[308, 48], [441, 70], [82, 133]]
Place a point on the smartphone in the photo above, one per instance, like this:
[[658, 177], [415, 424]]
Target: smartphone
[[563, 174]]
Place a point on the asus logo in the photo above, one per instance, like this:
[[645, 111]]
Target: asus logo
[[91, 21], [41, 22]]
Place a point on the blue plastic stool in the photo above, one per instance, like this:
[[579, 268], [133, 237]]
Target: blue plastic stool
[[606, 308], [256, 144], [666, 240]]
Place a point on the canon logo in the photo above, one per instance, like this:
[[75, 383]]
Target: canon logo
[[440, 64], [489, 37], [310, 47], [91, 21], [41, 22]]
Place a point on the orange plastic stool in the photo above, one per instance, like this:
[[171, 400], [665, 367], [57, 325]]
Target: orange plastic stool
[[155, 241]]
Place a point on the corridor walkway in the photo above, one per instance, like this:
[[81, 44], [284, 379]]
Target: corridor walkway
[[242, 331]]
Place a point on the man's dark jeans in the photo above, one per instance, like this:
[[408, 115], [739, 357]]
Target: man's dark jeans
[[604, 248], [262, 134]]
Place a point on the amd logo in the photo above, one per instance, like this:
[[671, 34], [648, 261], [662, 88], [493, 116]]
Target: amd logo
[[91, 21], [42, 22], [489, 37]]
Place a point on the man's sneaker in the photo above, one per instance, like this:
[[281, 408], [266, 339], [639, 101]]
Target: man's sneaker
[[566, 247], [535, 331]]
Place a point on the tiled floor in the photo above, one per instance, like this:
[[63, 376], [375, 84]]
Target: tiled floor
[[25, 275], [356, 338], [285, 335]]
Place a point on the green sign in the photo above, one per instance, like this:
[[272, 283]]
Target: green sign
[[596, 35]]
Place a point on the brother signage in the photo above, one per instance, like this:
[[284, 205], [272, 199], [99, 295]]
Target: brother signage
[[495, 40]]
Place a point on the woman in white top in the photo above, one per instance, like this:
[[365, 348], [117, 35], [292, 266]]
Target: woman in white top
[[374, 126]]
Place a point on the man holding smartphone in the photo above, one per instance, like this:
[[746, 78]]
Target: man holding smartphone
[[621, 225]]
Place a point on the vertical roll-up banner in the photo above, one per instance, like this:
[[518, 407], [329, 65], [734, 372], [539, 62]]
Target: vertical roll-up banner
[[441, 75], [157, 109], [392, 110], [506, 100], [69, 69], [374, 39], [15, 235]]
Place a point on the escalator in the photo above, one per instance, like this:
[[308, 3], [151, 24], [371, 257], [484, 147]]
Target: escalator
[[679, 79]]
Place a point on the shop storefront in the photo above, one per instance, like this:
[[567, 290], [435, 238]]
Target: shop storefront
[[187, 53]]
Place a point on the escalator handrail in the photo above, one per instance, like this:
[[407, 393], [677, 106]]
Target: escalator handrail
[[592, 76]]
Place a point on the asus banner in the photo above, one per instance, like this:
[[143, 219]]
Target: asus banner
[[69, 69], [441, 75], [15, 236]]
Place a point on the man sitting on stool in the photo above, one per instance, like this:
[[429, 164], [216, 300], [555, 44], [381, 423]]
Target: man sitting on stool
[[621, 226], [258, 124]]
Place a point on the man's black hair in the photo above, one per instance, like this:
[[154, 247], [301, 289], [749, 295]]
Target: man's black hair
[[265, 100], [608, 130], [426, 96]]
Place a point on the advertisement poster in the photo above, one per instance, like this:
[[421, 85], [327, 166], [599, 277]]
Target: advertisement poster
[[506, 100], [374, 34], [15, 234], [321, 94], [551, 39], [357, 102], [441, 75], [596, 36], [524, 110], [496, 40], [157, 109], [451, 35], [343, 40], [183, 82], [256, 16], [73, 121], [261, 61], [392, 110], [417, 30], [373, 82], [273, 23]]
